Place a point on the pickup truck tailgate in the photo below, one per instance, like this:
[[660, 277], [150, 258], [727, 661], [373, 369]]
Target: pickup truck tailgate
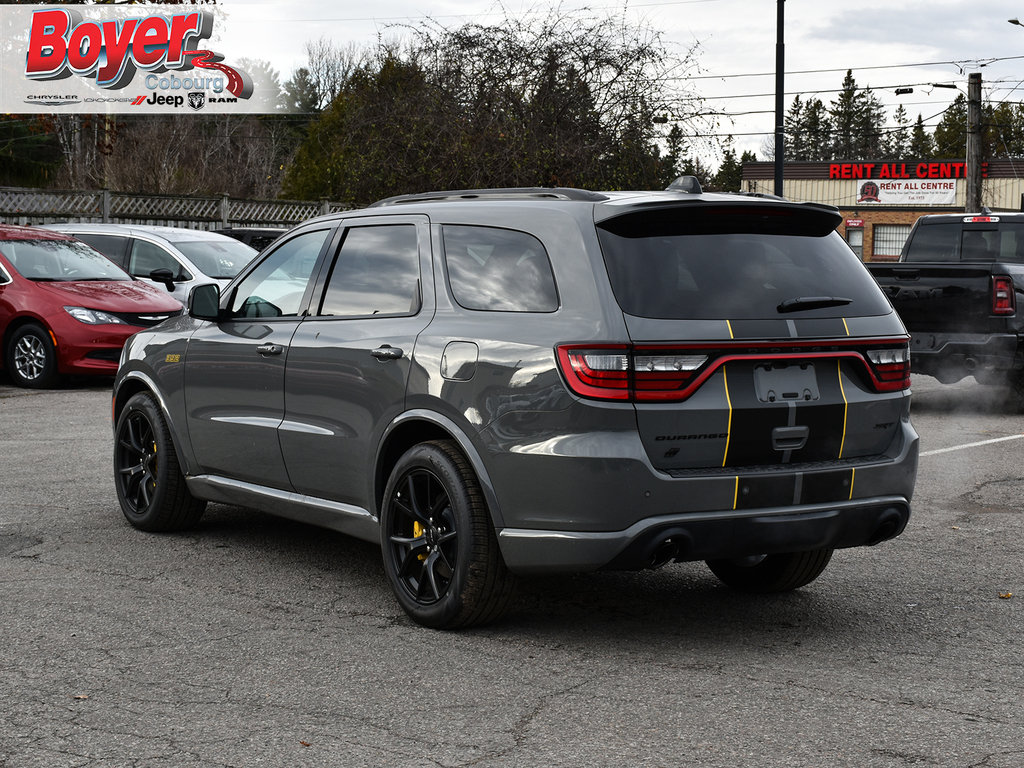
[[949, 298]]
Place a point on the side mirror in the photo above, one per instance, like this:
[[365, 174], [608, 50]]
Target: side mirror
[[163, 275], [204, 302]]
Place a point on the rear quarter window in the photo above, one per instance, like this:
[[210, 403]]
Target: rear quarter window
[[709, 263], [498, 270]]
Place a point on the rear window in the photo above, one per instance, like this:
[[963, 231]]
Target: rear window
[[952, 241], [695, 264], [935, 242], [217, 258]]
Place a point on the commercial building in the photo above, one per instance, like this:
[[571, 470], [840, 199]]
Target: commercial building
[[880, 200]]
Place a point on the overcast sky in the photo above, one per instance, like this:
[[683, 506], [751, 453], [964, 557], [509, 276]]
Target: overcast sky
[[887, 44]]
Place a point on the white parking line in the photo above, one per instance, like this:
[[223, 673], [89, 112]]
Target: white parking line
[[972, 445]]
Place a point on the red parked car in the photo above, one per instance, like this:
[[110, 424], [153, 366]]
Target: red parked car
[[67, 309]]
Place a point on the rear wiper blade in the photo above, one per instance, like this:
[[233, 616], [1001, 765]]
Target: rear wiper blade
[[801, 303]]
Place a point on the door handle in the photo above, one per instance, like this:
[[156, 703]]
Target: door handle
[[270, 349], [790, 438], [387, 352]]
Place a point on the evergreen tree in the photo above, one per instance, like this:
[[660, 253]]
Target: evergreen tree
[[921, 143], [1004, 130], [29, 155], [730, 173], [869, 140], [951, 132], [796, 135], [897, 144], [817, 131], [846, 113]]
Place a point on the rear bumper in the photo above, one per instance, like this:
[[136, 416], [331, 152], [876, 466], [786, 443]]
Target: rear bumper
[[707, 536], [955, 355]]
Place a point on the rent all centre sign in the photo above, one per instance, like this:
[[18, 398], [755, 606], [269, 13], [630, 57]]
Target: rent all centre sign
[[925, 183]]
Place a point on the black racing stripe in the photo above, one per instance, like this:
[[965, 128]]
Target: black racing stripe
[[761, 329], [826, 487], [750, 441], [825, 432], [821, 327], [766, 491], [750, 435], [823, 417]]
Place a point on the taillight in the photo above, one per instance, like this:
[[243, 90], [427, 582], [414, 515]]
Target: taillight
[[656, 373], [662, 376], [597, 372], [890, 367], [1003, 300]]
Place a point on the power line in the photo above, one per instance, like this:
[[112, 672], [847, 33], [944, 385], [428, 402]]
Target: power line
[[955, 63]]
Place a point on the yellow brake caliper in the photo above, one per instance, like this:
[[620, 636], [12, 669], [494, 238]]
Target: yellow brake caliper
[[153, 481], [417, 531]]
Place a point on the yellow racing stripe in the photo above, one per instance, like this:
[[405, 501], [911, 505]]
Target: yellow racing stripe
[[846, 406], [853, 476], [736, 493], [728, 429], [846, 327], [729, 325]]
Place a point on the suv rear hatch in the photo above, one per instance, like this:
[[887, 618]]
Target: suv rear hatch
[[747, 324]]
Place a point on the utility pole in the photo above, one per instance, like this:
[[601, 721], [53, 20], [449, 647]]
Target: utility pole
[[780, 71], [973, 203]]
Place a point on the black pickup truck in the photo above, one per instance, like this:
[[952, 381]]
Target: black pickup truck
[[956, 288]]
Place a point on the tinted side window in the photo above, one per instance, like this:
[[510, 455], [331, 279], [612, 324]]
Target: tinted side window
[[498, 270], [111, 246], [935, 242], [145, 257], [275, 288], [377, 272]]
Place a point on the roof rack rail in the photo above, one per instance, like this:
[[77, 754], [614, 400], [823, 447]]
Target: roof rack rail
[[505, 193], [764, 195]]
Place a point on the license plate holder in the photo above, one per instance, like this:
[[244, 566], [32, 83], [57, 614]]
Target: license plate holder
[[785, 382]]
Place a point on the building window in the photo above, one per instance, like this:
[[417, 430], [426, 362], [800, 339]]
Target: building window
[[855, 238], [889, 239]]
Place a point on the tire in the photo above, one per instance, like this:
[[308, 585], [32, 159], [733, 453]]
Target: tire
[[440, 552], [150, 486], [772, 573], [32, 358]]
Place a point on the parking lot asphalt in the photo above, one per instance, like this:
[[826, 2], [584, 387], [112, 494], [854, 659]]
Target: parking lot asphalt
[[254, 640]]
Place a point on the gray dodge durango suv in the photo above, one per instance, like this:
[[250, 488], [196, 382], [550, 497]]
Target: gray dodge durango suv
[[500, 382]]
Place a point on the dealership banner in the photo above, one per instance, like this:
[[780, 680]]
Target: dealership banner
[[137, 59], [907, 192]]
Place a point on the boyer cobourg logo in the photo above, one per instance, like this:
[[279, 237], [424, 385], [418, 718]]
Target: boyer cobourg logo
[[63, 44]]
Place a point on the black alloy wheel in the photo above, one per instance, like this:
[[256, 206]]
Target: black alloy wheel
[[147, 476], [440, 552], [424, 536]]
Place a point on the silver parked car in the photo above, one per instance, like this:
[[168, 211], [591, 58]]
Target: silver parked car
[[501, 382], [173, 257]]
